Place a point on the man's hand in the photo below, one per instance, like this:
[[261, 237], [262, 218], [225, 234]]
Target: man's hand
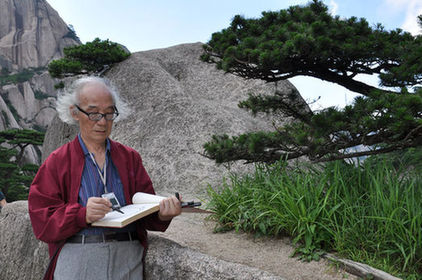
[[96, 208], [169, 208]]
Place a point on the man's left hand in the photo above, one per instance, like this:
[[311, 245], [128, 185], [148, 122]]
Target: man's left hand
[[169, 208]]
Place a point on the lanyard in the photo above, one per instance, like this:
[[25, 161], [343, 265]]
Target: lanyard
[[103, 177]]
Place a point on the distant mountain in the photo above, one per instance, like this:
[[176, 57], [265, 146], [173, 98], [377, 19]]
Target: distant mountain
[[31, 35]]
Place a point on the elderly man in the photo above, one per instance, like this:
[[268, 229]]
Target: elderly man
[[66, 194]]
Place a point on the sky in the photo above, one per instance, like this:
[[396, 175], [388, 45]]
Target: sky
[[144, 24]]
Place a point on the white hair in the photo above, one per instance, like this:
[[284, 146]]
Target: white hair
[[70, 96]]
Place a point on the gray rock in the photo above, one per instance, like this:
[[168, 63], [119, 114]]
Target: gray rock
[[22, 255], [178, 103], [168, 260], [44, 83], [7, 120], [30, 109], [31, 33], [25, 258]]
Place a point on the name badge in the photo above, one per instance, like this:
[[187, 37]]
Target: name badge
[[113, 199]]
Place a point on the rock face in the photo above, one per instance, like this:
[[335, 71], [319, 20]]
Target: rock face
[[178, 102], [168, 260], [29, 109], [31, 34], [24, 257]]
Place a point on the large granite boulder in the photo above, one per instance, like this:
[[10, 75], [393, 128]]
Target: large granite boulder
[[25, 258], [178, 103], [22, 255]]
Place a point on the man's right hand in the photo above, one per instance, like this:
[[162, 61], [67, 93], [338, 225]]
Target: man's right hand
[[96, 208]]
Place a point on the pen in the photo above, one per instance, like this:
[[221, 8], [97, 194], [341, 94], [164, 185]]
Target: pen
[[117, 209], [190, 204], [187, 204]]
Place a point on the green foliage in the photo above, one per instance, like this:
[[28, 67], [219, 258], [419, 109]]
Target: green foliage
[[20, 77], [71, 34], [39, 128], [59, 85], [57, 68], [369, 213], [5, 118], [4, 72], [307, 40], [40, 95], [409, 71], [394, 122], [87, 58], [22, 137], [11, 108], [15, 176]]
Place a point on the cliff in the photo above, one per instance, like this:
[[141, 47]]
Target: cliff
[[31, 35]]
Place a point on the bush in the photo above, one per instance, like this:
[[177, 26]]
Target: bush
[[370, 213]]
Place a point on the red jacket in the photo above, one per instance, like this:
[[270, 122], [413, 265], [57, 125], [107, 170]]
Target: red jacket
[[53, 196]]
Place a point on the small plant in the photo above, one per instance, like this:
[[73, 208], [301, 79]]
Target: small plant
[[59, 85], [40, 95], [308, 254], [368, 213]]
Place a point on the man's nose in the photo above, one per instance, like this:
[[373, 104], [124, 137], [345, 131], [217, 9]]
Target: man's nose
[[102, 121]]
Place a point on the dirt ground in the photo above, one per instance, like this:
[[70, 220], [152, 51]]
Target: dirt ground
[[268, 254]]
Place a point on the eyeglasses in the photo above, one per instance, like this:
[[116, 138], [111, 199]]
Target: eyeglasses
[[98, 116]]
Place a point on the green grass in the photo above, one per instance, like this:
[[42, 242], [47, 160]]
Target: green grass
[[370, 214]]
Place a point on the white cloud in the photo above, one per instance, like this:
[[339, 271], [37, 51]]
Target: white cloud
[[397, 3], [410, 23], [411, 9], [334, 7]]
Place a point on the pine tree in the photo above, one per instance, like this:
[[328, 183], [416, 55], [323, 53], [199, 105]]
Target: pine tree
[[15, 175], [307, 40], [91, 57]]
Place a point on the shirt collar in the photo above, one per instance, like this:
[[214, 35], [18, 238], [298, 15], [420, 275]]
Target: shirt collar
[[85, 149]]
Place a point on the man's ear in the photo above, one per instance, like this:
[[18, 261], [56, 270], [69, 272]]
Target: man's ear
[[74, 112]]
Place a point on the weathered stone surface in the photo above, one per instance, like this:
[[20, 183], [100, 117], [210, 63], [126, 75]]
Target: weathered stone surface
[[44, 83], [16, 98], [24, 257], [27, 106], [30, 109], [178, 102], [168, 260], [31, 33], [7, 120]]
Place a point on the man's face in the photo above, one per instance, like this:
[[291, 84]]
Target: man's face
[[94, 98]]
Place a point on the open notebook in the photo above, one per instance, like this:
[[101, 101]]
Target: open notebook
[[143, 205]]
